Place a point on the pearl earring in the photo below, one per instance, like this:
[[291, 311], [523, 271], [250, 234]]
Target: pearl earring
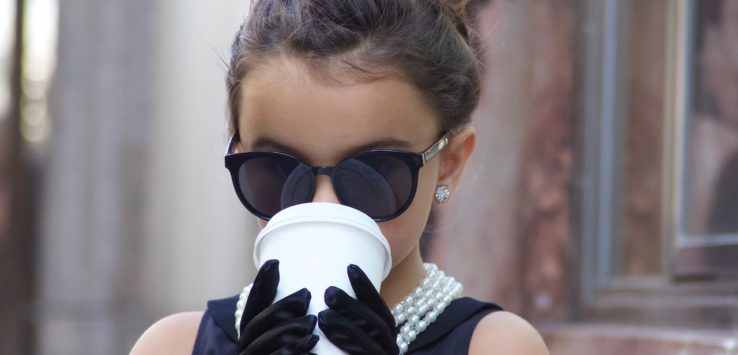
[[442, 193]]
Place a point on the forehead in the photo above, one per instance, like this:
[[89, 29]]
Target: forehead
[[282, 102]]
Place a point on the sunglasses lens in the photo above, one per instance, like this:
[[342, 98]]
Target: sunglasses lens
[[379, 184], [273, 182]]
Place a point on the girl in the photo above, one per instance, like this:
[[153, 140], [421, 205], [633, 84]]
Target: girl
[[388, 85]]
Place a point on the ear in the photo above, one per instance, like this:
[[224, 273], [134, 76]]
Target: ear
[[454, 157]]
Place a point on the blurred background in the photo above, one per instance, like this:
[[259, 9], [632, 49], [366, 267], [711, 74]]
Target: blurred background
[[601, 203]]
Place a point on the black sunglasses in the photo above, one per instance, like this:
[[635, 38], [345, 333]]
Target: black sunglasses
[[379, 183]]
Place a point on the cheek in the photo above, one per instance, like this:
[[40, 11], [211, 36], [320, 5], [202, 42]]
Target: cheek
[[403, 233], [262, 223]]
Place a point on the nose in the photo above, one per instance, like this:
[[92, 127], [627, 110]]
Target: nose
[[324, 191]]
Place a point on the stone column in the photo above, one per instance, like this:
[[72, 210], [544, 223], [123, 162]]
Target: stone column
[[138, 217], [505, 232], [93, 197], [477, 235]]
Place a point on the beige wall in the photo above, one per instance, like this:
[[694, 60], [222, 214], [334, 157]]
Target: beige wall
[[138, 218], [197, 234]]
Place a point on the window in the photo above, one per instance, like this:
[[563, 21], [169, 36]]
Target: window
[[657, 223], [706, 142]]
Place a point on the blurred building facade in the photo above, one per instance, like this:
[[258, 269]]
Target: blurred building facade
[[130, 215], [600, 204], [605, 181]]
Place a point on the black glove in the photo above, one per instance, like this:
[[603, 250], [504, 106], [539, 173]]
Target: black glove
[[363, 325], [280, 328]]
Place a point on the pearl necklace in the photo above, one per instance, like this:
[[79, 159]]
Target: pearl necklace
[[422, 306], [414, 313]]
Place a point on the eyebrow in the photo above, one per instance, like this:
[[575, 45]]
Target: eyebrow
[[268, 144], [264, 143], [384, 143]]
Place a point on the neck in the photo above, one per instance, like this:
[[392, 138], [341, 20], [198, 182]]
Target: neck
[[403, 278]]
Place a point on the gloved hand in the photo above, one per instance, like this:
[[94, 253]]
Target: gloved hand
[[280, 328], [363, 325]]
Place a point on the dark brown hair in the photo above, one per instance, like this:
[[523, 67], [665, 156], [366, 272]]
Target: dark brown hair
[[427, 42]]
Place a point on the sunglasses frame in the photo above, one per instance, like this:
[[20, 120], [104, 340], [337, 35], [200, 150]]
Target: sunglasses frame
[[414, 161]]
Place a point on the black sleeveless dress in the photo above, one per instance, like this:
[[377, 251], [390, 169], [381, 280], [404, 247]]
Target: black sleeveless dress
[[449, 334]]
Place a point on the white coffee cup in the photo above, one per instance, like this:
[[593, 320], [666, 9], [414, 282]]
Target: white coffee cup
[[315, 243]]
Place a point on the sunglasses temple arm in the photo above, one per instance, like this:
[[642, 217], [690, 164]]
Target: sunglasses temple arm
[[436, 148], [231, 143]]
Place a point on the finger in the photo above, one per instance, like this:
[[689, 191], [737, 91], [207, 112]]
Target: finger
[[345, 335], [262, 291], [299, 346], [283, 334], [292, 306], [359, 314], [368, 295]]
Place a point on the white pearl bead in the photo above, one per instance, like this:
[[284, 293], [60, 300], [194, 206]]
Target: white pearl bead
[[401, 318], [410, 300]]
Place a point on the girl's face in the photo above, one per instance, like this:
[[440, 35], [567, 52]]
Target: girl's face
[[284, 109]]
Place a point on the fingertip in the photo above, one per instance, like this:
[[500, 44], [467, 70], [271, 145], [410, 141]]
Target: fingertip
[[355, 273], [304, 293], [324, 321], [313, 321], [313, 318], [323, 317], [313, 341], [331, 290], [270, 269], [304, 296], [271, 262], [331, 295], [270, 266]]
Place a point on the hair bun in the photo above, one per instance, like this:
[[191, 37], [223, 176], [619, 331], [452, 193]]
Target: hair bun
[[456, 9], [456, 6]]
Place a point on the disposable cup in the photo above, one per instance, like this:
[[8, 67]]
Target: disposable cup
[[315, 243]]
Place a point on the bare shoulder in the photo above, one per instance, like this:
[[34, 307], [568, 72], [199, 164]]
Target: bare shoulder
[[174, 335], [506, 333]]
